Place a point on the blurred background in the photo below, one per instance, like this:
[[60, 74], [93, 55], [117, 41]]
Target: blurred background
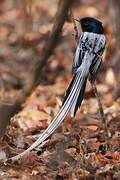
[[25, 26], [24, 29]]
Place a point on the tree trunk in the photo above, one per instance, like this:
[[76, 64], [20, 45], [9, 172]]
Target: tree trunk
[[7, 111]]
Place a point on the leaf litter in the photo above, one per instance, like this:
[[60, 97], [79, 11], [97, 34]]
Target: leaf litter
[[76, 149]]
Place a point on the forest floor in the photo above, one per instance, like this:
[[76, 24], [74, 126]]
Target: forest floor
[[77, 149]]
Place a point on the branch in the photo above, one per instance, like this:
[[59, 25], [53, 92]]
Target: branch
[[7, 111]]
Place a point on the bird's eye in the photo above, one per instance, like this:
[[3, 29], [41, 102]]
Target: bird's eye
[[87, 24]]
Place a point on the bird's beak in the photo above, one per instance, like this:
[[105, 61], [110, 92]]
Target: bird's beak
[[77, 19]]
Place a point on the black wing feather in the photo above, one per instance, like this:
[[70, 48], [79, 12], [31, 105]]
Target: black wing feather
[[80, 97]]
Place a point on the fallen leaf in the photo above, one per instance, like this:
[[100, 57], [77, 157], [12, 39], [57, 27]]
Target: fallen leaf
[[110, 77], [3, 155], [114, 156]]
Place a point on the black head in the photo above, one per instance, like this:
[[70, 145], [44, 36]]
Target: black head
[[90, 24]]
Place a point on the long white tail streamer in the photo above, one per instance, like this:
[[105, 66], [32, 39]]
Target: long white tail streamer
[[59, 117]]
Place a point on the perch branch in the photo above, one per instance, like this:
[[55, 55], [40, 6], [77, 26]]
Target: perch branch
[[7, 111]]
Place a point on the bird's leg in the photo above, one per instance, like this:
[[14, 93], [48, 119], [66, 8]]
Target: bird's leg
[[104, 122]]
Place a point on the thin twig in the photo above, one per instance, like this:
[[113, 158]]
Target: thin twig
[[75, 26], [104, 122], [81, 144]]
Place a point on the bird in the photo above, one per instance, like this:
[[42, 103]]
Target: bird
[[86, 64]]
